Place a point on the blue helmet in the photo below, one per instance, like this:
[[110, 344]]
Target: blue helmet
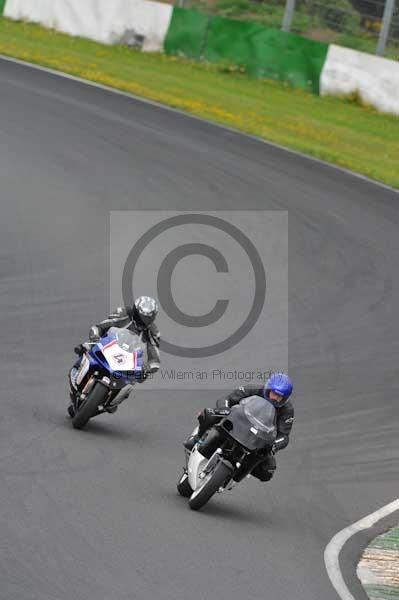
[[281, 384]]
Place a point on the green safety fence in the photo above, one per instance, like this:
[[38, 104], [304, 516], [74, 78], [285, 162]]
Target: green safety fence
[[187, 33], [262, 52], [267, 53]]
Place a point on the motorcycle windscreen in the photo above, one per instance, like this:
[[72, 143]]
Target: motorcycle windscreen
[[125, 351], [252, 423]]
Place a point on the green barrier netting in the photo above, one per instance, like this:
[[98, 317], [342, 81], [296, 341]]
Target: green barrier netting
[[265, 52], [2, 5], [186, 33]]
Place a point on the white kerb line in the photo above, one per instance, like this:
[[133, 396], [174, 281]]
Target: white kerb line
[[334, 547]]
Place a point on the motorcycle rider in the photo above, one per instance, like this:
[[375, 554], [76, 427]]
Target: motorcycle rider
[[277, 391], [140, 319]]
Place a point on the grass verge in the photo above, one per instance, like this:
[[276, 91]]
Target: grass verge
[[338, 131], [380, 563]]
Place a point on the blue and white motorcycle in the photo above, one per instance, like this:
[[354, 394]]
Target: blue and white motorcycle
[[108, 371]]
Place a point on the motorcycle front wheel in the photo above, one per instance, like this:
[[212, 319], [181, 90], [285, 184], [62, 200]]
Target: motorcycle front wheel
[[212, 482], [183, 487], [89, 407]]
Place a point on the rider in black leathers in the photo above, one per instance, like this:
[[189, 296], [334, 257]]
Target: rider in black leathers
[[277, 391]]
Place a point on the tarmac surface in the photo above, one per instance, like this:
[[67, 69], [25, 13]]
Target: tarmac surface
[[95, 514]]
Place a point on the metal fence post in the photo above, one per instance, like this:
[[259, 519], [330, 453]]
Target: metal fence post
[[386, 23], [288, 14]]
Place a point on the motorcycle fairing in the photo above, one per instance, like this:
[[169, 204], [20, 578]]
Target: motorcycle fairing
[[196, 464], [83, 369], [111, 356], [118, 358], [252, 423]]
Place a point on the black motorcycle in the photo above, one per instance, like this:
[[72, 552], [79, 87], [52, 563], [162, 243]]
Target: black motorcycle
[[229, 450]]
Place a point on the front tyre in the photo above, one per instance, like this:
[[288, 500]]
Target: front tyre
[[216, 479], [183, 487], [89, 407]]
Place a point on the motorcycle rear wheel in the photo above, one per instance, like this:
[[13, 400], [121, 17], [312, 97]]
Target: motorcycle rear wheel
[[204, 493], [89, 408]]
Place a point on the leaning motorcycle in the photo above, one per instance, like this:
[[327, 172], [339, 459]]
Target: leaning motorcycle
[[108, 371], [229, 450]]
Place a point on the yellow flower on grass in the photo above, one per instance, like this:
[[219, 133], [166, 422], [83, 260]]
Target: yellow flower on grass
[[336, 131]]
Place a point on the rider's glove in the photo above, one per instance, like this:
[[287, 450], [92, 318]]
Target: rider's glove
[[279, 444], [222, 412], [94, 334]]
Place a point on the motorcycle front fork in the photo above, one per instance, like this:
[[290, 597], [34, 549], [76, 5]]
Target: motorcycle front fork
[[248, 463], [211, 443]]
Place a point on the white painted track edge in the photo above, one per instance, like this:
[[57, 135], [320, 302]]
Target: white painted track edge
[[334, 547]]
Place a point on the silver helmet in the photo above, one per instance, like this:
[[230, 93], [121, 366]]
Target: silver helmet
[[145, 310]]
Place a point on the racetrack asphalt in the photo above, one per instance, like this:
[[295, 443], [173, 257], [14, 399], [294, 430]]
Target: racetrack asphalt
[[95, 514]]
